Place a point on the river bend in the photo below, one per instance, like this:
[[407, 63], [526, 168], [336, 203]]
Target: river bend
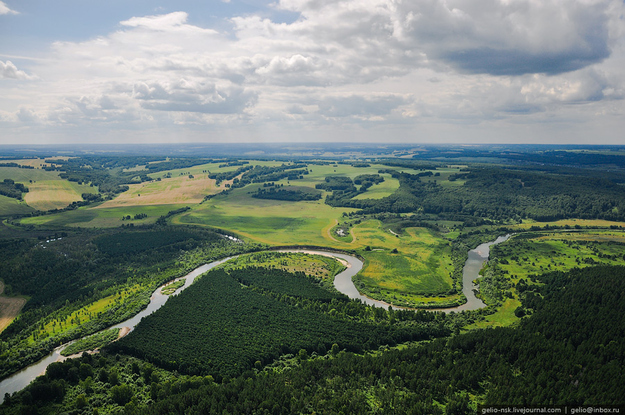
[[342, 282]]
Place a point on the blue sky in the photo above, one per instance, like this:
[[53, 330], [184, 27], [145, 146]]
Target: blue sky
[[460, 71]]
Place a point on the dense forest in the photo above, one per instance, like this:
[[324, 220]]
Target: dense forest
[[225, 328], [494, 193], [286, 194], [63, 274], [568, 352]]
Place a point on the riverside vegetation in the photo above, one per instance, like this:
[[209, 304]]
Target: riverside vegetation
[[267, 332]]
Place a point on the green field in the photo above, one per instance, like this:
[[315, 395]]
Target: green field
[[93, 217], [319, 266], [384, 189], [26, 175], [273, 222], [549, 251], [10, 206], [529, 254], [418, 274]]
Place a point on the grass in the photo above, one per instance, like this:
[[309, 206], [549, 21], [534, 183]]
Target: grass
[[504, 316], [95, 217], [379, 191], [93, 342], [419, 273], [550, 251], [318, 266], [55, 194], [593, 223], [26, 175], [10, 206], [70, 321], [171, 288], [274, 222]]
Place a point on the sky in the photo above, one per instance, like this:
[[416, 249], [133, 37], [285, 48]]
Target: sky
[[375, 71]]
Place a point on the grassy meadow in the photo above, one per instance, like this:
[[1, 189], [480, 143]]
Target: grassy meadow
[[94, 217], [10, 206], [528, 254], [46, 189]]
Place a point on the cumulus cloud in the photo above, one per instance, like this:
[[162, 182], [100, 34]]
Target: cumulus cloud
[[9, 71], [171, 22], [498, 37], [4, 9], [339, 61], [193, 97]]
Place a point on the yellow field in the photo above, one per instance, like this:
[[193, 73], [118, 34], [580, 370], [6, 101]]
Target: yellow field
[[9, 308], [55, 194], [177, 190]]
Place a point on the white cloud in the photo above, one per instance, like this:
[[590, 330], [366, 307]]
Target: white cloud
[[391, 62], [193, 97], [9, 71], [4, 9]]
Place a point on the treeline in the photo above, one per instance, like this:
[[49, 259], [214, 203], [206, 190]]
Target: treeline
[[343, 188], [19, 166], [217, 327], [229, 175], [11, 189], [261, 174], [536, 156], [286, 194]]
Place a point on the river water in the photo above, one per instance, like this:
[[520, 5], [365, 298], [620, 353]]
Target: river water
[[342, 282]]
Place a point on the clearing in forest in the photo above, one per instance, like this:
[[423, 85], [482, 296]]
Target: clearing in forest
[[10, 308]]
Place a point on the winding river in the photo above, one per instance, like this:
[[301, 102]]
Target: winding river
[[342, 282]]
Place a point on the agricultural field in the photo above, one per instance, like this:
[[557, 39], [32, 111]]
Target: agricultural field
[[172, 191], [10, 307], [37, 163], [264, 220], [94, 217], [46, 190], [55, 194], [10, 206]]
